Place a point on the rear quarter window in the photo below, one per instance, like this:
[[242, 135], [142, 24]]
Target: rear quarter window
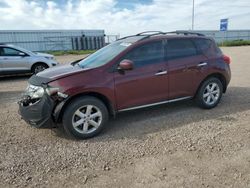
[[207, 46]]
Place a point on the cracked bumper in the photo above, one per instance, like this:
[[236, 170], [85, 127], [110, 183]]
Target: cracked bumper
[[37, 114]]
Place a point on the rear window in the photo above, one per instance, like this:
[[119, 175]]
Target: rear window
[[179, 48]]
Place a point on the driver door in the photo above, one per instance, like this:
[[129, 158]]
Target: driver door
[[13, 60], [147, 82]]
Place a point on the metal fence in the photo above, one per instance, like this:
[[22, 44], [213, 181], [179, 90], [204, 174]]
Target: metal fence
[[47, 40], [221, 36]]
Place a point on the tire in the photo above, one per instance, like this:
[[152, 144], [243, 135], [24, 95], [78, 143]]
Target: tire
[[36, 68], [210, 93], [85, 117]]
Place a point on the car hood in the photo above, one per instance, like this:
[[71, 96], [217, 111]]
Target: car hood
[[43, 54], [55, 73]]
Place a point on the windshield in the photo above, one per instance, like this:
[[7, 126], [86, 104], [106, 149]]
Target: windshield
[[104, 55]]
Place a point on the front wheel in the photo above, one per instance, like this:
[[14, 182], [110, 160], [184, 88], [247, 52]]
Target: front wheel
[[39, 68], [85, 117], [209, 93]]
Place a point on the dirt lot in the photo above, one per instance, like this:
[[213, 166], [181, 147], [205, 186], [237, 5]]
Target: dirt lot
[[176, 145]]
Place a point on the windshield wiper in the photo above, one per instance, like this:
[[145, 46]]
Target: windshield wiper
[[75, 62]]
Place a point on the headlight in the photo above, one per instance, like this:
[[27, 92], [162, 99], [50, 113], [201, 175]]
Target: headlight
[[50, 58], [35, 92]]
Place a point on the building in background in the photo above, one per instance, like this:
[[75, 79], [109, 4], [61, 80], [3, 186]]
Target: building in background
[[54, 40]]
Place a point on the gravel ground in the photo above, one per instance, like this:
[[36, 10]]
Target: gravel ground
[[175, 145]]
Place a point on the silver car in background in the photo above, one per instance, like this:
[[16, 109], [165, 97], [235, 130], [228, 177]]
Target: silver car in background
[[15, 60]]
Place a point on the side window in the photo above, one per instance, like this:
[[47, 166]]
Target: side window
[[1, 51], [207, 46], [203, 44], [146, 54], [179, 48], [10, 52]]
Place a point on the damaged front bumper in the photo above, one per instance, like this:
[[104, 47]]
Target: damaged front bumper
[[37, 113]]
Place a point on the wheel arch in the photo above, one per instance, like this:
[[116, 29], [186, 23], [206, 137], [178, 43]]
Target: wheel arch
[[60, 108], [38, 63], [219, 76]]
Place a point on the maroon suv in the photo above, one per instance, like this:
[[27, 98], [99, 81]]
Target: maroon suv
[[137, 71]]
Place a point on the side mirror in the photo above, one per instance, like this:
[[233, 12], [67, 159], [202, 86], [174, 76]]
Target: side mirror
[[21, 54], [126, 65]]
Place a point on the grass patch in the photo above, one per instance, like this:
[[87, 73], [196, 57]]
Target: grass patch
[[235, 43], [71, 52]]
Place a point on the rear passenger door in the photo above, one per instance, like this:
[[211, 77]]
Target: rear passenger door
[[186, 67]]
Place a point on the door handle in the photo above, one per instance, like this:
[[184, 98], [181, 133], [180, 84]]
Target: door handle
[[161, 73], [202, 64]]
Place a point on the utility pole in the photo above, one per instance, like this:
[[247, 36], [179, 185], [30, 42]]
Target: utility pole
[[193, 17]]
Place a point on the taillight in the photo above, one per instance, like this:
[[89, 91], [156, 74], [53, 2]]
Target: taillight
[[226, 59]]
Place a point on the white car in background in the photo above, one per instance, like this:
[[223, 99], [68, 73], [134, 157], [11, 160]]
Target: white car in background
[[15, 60]]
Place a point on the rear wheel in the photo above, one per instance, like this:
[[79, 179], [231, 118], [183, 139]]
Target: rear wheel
[[210, 93], [38, 68], [85, 117]]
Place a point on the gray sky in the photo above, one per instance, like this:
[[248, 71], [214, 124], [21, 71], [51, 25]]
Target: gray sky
[[123, 16]]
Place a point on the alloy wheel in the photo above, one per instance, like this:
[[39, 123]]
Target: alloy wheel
[[39, 68], [211, 93], [87, 119]]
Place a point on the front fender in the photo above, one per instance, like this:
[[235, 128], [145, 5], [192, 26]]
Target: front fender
[[60, 107]]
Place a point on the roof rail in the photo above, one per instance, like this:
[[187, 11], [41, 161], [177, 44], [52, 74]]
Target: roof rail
[[178, 32], [153, 32], [144, 34], [147, 34]]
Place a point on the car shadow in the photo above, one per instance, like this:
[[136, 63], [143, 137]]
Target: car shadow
[[135, 124]]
